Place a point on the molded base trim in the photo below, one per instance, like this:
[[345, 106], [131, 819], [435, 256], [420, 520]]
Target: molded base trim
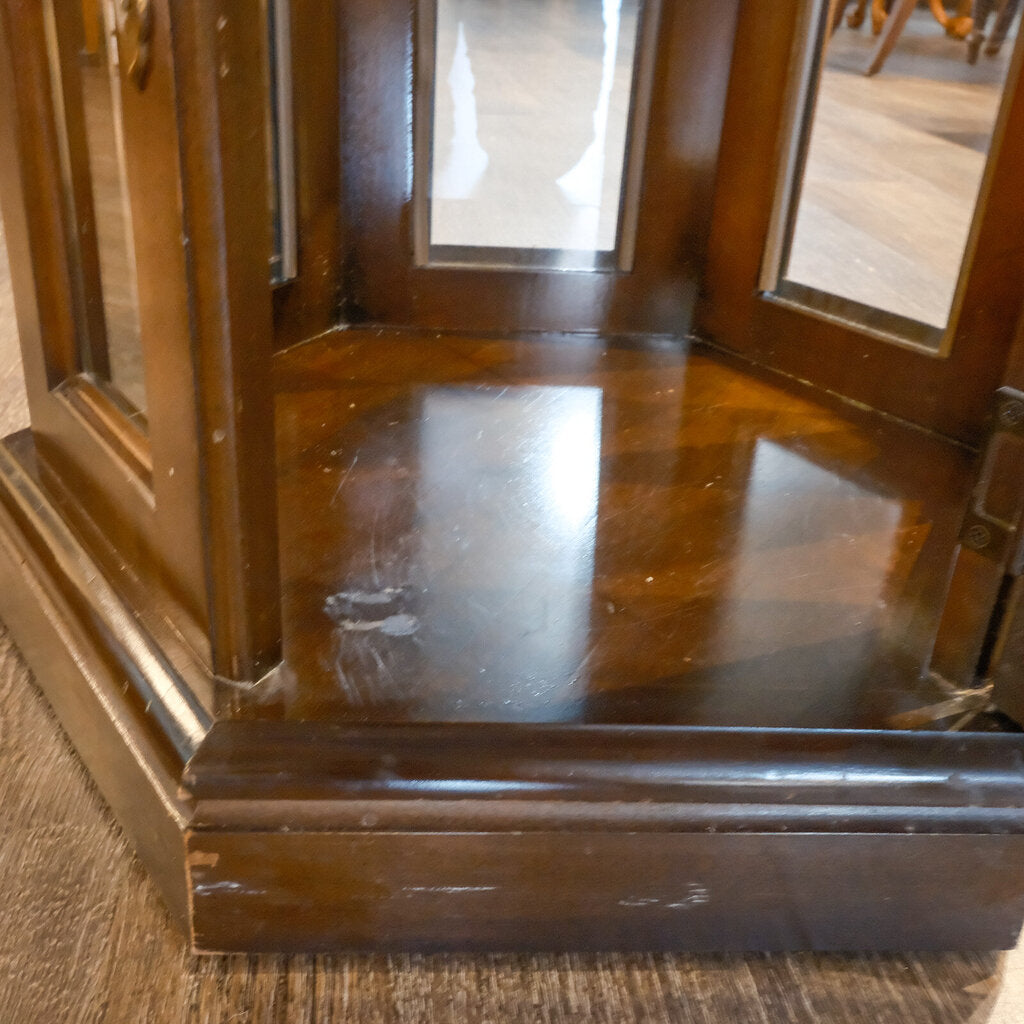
[[602, 891]]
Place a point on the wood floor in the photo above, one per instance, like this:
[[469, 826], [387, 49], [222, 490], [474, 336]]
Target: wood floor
[[83, 937]]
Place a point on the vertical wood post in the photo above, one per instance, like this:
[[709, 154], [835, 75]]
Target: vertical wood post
[[220, 50]]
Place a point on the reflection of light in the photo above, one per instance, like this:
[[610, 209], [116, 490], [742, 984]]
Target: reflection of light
[[583, 183], [803, 601], [505, 527], [467, 159], [528, 96], [815, 549], [573, 460]]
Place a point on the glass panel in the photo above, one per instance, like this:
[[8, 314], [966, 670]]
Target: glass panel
[[87, 88], [281, 147], [530, 115], [896, 150]]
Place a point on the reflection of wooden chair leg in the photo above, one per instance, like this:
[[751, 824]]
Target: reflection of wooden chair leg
[[879, 11], [894, 26], [959, 25], [835, 14], [1004, 20], [878, 16]]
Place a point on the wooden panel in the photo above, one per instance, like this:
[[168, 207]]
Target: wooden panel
[[493, 891], [82, 658], [524, 776], [220, 54], [85, 454]]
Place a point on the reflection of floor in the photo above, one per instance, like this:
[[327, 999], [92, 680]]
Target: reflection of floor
[[117, 266], [531, 104], [894, 169], [550, 531]]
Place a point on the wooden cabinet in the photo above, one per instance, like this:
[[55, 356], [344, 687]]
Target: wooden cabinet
[[420, 598]]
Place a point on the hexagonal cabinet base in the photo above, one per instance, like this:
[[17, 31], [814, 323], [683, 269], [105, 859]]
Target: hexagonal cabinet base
[[303, 836]]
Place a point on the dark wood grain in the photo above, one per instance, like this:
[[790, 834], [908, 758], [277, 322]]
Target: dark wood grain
[[318, 299], [424, 484], [84, 453], [558, 890], [220, 53], [592, 639]]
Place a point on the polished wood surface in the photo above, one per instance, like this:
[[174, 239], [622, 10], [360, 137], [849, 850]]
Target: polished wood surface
[[591, 530], [221, 58], [592, 574], [150, 517], [531, 890], [86, 935]]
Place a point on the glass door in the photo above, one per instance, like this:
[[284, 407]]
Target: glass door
[[93, 211], [868, 233]]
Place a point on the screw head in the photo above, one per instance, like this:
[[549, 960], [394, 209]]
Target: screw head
[[978, 537]]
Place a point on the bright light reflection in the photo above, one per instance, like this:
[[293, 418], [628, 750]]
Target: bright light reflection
[[813, 559], [506, 509], [530, 116], [572, 460]]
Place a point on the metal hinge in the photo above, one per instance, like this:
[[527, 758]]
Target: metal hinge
[[992, 523]]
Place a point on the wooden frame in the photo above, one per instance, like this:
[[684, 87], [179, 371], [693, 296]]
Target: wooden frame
[[291, 835], [153, 513], [949, 390], [394, 287]]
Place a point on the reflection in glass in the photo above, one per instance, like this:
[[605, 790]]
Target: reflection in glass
[[84, 44], [530, 117], [893, 168]]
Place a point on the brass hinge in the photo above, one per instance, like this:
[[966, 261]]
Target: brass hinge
[[992, 523]]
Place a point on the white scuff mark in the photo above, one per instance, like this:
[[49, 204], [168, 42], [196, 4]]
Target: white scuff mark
[[394, 625], [208, 888], [448, 890], [342, 481], [385, 596], [697, 896]]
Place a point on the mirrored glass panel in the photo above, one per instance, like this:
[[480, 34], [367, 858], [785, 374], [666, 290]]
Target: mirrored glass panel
[[530, 117], [87, 91], [898, 120]]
